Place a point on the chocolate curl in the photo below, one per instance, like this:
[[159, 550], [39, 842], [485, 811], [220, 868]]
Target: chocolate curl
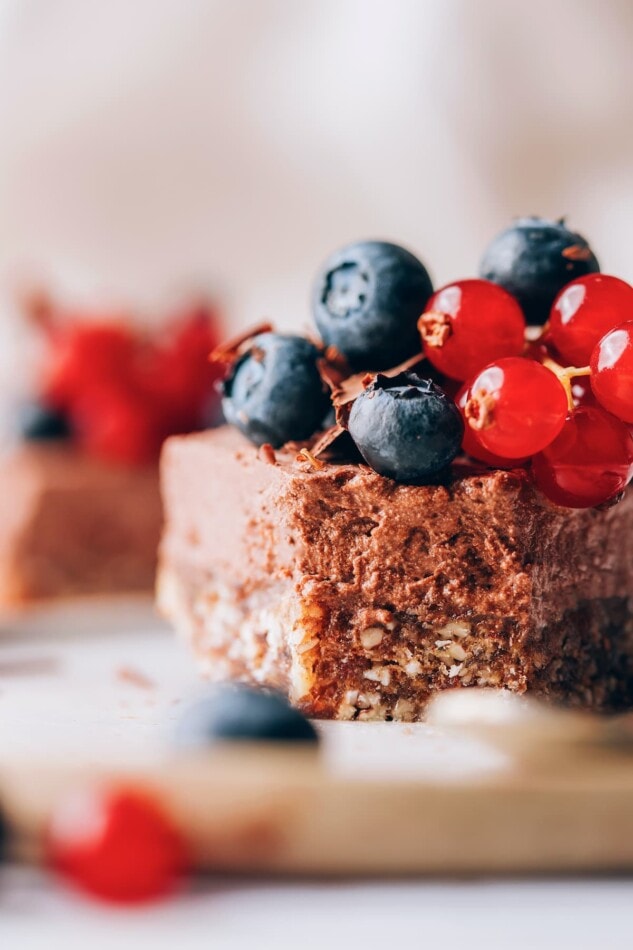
[[305, 455], [329, 437], [232, 349], [576, 252], [346, 391]]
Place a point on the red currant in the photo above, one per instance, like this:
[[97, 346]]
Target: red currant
[[117, 845], [590, 461], [584, 311], [468, 324], [470, 444], [581, 391], [179, 377], [82, 355], [612, 372], [515, 407], [125, 393], [118, 426]]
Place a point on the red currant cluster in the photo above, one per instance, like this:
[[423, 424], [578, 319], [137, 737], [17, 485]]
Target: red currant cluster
[[122, 392], [520, 400]]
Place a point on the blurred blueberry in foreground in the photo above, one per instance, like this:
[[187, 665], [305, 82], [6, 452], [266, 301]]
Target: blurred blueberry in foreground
[[237, 713]]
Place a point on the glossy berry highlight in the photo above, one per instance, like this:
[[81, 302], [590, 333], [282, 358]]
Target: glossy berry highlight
[[366, 302], [471, 445], [589, 463], [584, 311], [612, 372], [406, 428], [515, 407], [118, 845], [468, 324]]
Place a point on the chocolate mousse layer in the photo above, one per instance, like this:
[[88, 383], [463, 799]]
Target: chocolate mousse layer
[[71, 525], [360, 597]]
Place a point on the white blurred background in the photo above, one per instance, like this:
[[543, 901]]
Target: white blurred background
[[151, 145]]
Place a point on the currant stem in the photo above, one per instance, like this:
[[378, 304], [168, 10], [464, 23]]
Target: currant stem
[[565, 374]]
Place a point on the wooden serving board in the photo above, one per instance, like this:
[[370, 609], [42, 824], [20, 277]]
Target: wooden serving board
[[90, 693]]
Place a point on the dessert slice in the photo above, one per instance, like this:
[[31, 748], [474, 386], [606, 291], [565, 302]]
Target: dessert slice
[[82, 512], [75, 525], [360, 597], [365, 568]]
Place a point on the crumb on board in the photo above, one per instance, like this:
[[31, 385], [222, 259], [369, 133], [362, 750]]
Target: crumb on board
[[134, 677]]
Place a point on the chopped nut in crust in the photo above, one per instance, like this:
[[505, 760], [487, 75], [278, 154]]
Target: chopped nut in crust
[[413, 668], [371, 637], [457, 652], [378, 674], [455, 628]]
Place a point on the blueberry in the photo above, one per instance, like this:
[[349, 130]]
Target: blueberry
[[406, 428], [274, 393], [533, 259], [366, 302], [39, 423], [233, 713]]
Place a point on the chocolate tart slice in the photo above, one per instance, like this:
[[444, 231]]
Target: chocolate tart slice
[[360, 597], [73, 525]]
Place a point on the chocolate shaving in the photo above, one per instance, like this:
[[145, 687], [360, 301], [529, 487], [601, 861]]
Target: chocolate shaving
[[329, 437], [349, 389], [334, 356], [331, 373], [306, 456], [576, 252], [267, 454], [232, 349]]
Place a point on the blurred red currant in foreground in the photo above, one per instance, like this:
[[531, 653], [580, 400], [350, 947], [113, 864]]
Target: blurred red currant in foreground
[[472, 447], [515, 407], [612, 371], [468, 324], [117, 845], [590, 462], [584, 311]]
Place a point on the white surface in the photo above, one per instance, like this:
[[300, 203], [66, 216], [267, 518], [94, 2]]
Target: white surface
[[61, 693], [152, 144]]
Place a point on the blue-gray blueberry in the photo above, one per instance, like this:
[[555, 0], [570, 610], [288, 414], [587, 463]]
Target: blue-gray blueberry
[[406, 428], [533, 260], [366, 302], [274, 392]]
